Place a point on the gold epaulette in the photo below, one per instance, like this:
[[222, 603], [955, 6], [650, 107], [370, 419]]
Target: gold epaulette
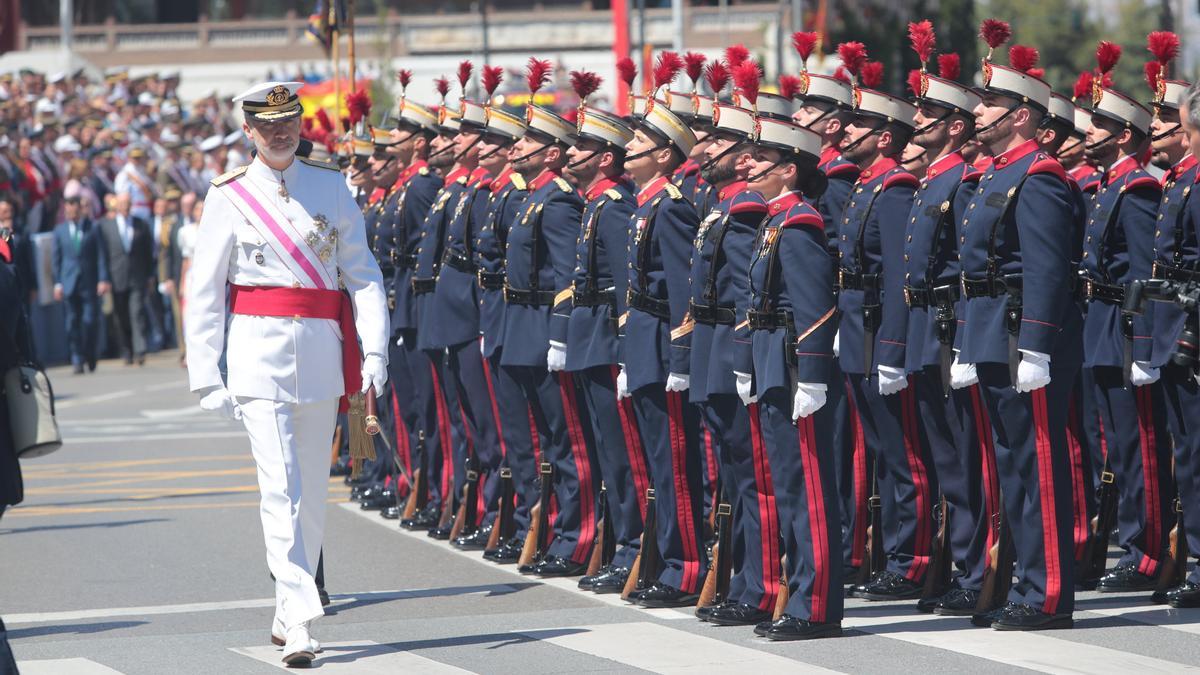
[[613, 194], [684, 329], [518, 181], [674, 192], [319, 164], [228, 176], [462, 180], [423, 171], [563, 184]]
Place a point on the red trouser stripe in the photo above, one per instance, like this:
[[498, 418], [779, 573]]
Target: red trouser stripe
[[987, 452], [1149, 448], [633, 446], [403, 450], [487, 373], [443, 422], [1041, 427], [683, 495], [916, 467], [768, 530], [816, 518], [1079, 500], [583, 468], [859, 545]]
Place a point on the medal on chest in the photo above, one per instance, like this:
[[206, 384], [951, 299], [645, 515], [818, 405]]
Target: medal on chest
[[639, 230], [587, 228], [322, 238], [768, 241], [705, 225]]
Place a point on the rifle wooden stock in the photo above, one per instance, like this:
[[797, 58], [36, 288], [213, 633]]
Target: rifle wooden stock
[[716, 584], [937, 577], [997, 577], [447, 517], [1095, 553], [781, 600], [1174, 568], [418, 498], [466, 521], [596, 561], [608, 547], [539, 526], [645, 567], [502, 529], [876, 555]]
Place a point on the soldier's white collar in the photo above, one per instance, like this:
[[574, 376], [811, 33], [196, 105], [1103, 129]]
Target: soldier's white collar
[[259, 170]]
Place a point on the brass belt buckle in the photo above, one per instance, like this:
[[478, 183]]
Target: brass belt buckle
[[908, 300]]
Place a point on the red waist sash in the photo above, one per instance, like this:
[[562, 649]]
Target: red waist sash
[[307, 303]]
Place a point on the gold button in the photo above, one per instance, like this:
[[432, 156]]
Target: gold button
[[910, 236], [1157, 233], [1085, 254], [971, 206]]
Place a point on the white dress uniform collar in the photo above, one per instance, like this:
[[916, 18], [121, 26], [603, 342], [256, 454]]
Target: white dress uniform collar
[[281, 180]]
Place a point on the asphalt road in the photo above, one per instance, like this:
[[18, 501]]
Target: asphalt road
[[139, 551]]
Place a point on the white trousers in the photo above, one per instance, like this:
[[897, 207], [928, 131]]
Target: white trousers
[[290, 443]]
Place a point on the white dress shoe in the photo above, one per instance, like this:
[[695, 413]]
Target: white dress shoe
[[278, 633], [298, 649]]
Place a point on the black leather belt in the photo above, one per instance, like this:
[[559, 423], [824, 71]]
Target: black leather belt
[[403, 260], [606, 298], [760, 320], [1171, 273], [649, 304], [849, 280], [924, 297], [423, 286], [386, 270], [711, 315], [521, 296], [491, 281], [990, 287], [458, 261], [1095, 291]]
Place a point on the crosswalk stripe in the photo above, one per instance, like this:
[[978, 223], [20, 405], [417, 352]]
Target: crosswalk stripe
[[1035, 651], [76, 666], [660, 649], [1152, 615], [361, 657]]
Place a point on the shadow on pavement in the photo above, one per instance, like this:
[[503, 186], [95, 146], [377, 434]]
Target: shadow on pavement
[[80, 526], [73, 628], [359, 600]]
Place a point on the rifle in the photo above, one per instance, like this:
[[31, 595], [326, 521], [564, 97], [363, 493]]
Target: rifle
[[781, 600], [466, 521], [418, 499], [645, 566], [539, 528], [937, 577], [1095, 553], [604, 536], [871, 317], [503, 529], [1174, 568], [876, 556], [997, 578], [716, 586]]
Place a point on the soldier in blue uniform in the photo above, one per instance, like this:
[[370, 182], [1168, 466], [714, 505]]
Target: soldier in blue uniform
[[655, 349], [954, 420], [597, 165], [792, 316], [539, 262], [1177, 257], [1118, 248], [1024, 346], [872, 340]]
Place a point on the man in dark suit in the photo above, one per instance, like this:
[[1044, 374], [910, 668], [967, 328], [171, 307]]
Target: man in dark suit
[[130, 257], [80, 277]]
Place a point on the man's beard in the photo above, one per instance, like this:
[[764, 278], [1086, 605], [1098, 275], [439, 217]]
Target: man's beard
[[721, 172], [441, 160]]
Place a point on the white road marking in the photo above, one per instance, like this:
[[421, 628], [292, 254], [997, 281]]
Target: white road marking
[[153, 437], [88, 400], [1161, 616], [566, 584], [77, 666], [164, 386], [361, 657], [1036, 651], [660, 649], [185, 411]]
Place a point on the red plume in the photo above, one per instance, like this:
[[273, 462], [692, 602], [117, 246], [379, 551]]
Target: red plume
[[1164, 45], [464, 73], [627, 69], [853, 55], [736, 55], [666, 67], [345, 124], [1106, 81], [585, 83], [1022, 57], [537, 73], [358, 104], [914, 82], [1039, 73], [842, 75], [948, 66], [307, 125], [1107, 55], [443, 86], [716, 74], [1152, 70], [695, 66], [872, 74], [324, 121], [404, 75], [805, 43], [1083, 86], [995, 32], [746, 79], [789, 86], [491, 79], [922, 39], [571, 116]]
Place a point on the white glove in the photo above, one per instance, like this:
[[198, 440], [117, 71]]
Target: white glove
[[556, 358], [807, 398], [891, 380], [374, 372], [677, 382], [622, 384], [962, 375], [1033, 372], [1141, 374], [745, 385], [221, 401], [400, 339], [837, 345]]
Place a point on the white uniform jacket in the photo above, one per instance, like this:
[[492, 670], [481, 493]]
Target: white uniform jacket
[[251, 234]]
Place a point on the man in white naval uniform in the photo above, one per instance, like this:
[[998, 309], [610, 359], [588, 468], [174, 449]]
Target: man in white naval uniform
[[282, 236]]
